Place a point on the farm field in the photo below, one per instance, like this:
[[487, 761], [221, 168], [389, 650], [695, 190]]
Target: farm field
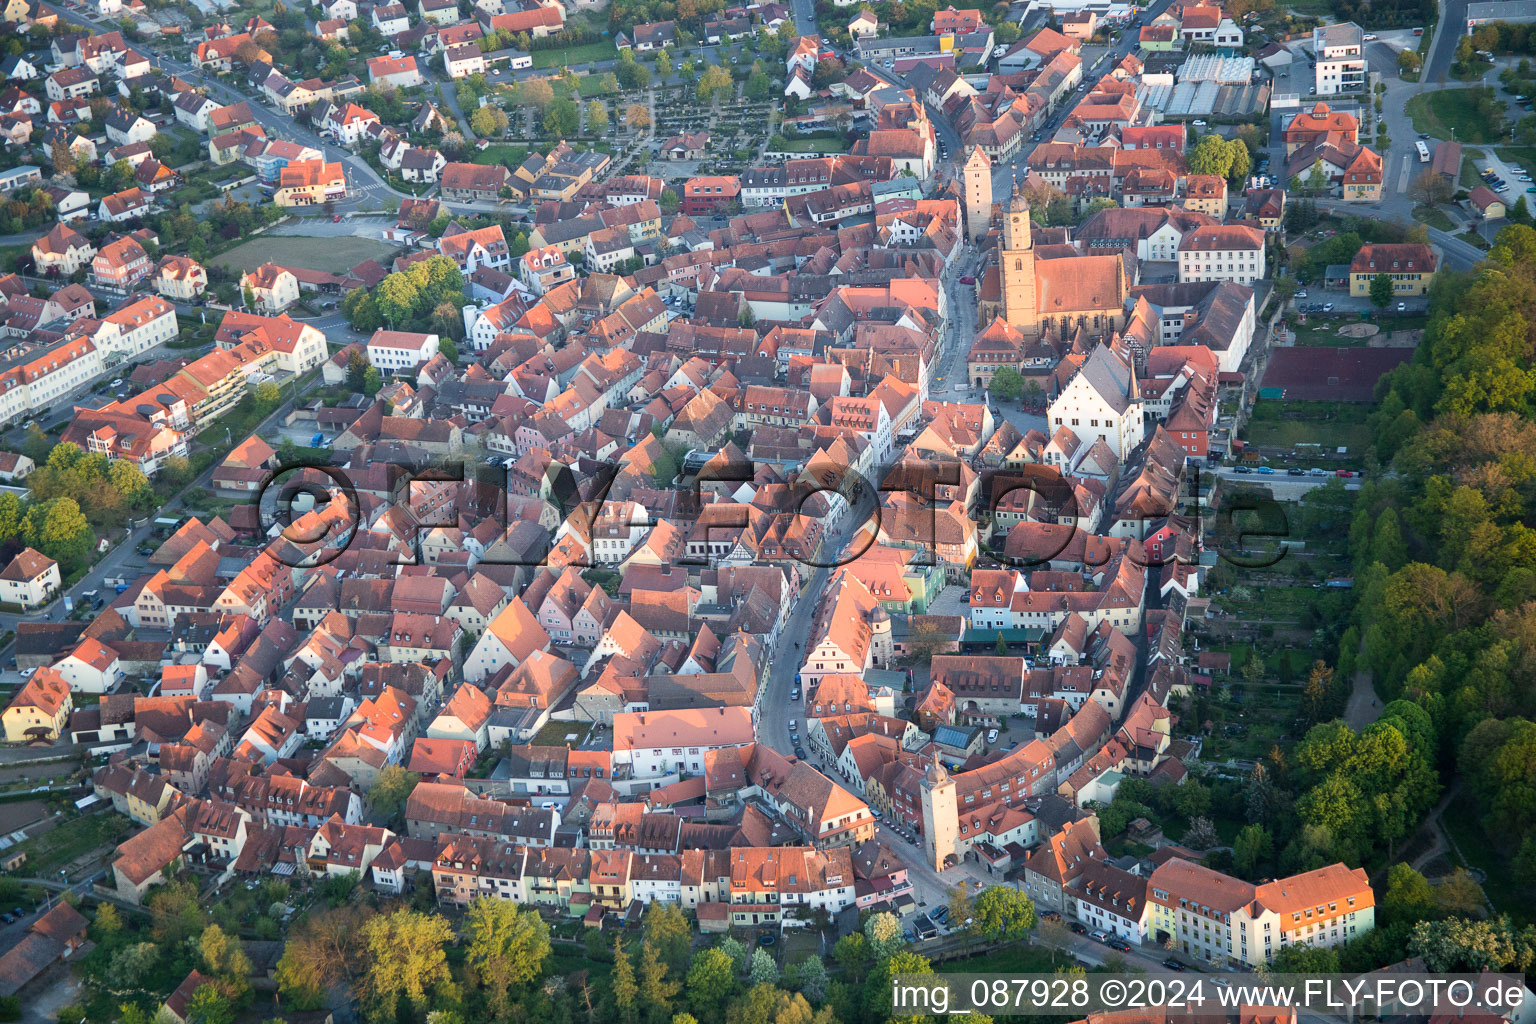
[[333, 254]]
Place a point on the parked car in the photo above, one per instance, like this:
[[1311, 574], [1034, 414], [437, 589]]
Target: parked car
[[1301, 294], [938, 915], [1173, 965], [1079, 929], [1293, 471], [1241, 469], [1343, 473], [799, 751], [1327, 307], [1119, 944], [991, 735], [1098, 936], [967, 279], [1317, 472], [1265, 471], [1402, 307]]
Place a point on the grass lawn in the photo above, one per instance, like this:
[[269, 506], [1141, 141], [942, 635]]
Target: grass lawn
[[1470, 177], [333, 254], [1463, 819], [1322, 332], [507, 156], [591, 86], [1525, 156], [1286, 424], [1473, 238], [603, 49], [1020, 958], [556, 734], [1448, 114], [1433, 217], [53, 850], [1311, 8], [9, 254]]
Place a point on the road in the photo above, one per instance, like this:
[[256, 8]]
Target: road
[[1281, 484], [122, 559], [1448, 31]]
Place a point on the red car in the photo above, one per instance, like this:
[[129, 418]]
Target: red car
[[335, 218], [967, 279], [1343, 472]]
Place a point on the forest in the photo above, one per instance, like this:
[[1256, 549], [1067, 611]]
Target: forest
[[1443, 541]]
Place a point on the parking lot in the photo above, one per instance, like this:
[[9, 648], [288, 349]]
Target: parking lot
[[1509, 181]]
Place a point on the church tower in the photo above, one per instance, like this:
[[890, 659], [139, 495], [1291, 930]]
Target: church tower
[[978, 194], [1017, 262], [941, 816]]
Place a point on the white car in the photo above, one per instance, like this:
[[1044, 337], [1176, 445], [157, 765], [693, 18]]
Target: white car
[[991, 735]]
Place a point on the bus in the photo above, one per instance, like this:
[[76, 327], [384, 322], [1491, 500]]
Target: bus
[[1423, 152]]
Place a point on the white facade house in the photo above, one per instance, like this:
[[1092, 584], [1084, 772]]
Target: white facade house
[[1340, 52], [1102, 402], [391, 351], [1223, 252]]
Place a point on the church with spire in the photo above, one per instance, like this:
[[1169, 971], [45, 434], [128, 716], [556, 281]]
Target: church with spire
[[1057, 289]]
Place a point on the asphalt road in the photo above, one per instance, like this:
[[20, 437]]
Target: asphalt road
[[1448, 31]]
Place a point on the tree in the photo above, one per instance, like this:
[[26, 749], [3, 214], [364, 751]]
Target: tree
[[663, 65], [710, 982], [1201, 834], [107, 921], [1457, 944], [268, 394], [1465, 51], [1251, 848], [883, 931], [716, 85], [208, 1005], [562, 118], [1261, 795], [1381, 291], [405, 958], [373, 383], [1458, 893], [1315, 695], [597, 117], [1055, 935], [536, 93], [1211, 155], [669, 201], [733, 948], [224, 959], [625, 990], [1408, 898], [852, 954], [489, 122], [1007, 383], [637, 116], [762, 970], [812, 975], [507, 947], [1003, 914], [391, 788], [1409, 61], [448, 348], [1431, 189], [926, 640], [961, 907], [655, 990], [667, 928], [176, 913]]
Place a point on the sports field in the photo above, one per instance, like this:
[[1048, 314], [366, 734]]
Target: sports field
[[334, 254]]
